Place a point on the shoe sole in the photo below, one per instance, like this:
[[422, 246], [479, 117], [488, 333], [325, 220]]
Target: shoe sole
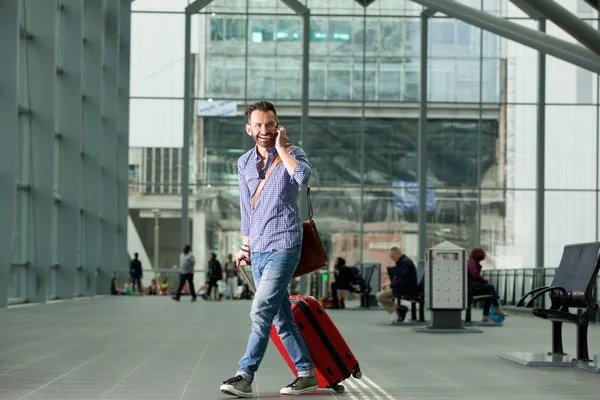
[[235, 393], [297, 392]]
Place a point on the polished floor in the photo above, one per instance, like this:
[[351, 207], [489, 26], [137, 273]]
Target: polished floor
[[153, 348]]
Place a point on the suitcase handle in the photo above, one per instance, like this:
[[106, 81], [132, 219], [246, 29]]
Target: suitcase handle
[[245, 274]]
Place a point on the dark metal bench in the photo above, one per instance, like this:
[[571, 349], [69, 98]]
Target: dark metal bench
[[365, 297], [417, 298], [572, 287]]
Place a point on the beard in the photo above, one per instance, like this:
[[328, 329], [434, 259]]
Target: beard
[[264, 140]]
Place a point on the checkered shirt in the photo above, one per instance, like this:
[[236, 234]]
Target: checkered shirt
[[275, 223]]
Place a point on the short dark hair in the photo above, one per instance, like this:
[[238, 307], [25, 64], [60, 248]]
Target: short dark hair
[[477, 254], [260, 106]]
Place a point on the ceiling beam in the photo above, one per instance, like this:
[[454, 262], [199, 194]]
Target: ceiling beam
[[542, 42], [569, 22]]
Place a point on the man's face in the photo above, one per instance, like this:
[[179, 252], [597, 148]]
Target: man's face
[[262, 128], [395, 255]]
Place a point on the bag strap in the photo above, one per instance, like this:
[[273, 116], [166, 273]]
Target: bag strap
[[276, 161], [310, 210]]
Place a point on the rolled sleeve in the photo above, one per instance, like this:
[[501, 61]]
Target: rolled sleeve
[[302, 172], [244, 203]]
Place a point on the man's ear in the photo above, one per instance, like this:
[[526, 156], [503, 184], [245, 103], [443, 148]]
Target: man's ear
[[248, 130]]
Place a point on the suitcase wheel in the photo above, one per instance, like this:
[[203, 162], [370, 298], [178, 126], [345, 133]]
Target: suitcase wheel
[[357, 374], [339, 388]]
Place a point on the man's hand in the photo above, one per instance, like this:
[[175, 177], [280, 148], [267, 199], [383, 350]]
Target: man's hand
[[281, 138], [241, 255]]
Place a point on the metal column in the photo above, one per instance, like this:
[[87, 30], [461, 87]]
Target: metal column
[[9, 37], [108, 155], [68, 131], [422, 142], [187, 124], [541, 156], [123, 130], [92, 131], [39, 20]]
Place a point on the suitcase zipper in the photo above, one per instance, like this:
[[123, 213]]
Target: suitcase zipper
[[324, 338]]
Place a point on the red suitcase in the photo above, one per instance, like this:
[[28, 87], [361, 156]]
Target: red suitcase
[[331, 356], [333, 359]]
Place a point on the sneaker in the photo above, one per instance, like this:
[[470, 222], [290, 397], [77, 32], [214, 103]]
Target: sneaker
[[237, 386], [301, 385]]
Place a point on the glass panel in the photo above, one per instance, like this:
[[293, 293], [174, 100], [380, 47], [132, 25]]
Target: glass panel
[[452, 216], [574, 87], [570, 218], [567, 127], [390, 82], [517, 146], [338, 80], [156, 123], [157, 56], [383, 229], [338, 223], [519, 81], [368, 78], [339, 166], [228, 83], [159, 5], [225, 141], [508, 228]]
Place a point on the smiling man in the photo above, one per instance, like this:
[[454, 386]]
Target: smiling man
[[271, 239]]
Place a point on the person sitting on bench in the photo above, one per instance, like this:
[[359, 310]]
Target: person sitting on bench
[[480, 286], [403, 281], [346, 278]]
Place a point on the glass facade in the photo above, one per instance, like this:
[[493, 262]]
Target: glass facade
[[362, 138]]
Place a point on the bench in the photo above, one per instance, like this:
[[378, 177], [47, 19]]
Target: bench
[[416, 298], [474, 297], [572, 287], [366, 300]]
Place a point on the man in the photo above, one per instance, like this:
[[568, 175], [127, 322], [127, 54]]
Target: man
[[186, 272], [271, 239], [404, 281], [135, 270]]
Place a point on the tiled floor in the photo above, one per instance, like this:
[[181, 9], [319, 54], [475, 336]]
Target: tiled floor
[[154, 348]]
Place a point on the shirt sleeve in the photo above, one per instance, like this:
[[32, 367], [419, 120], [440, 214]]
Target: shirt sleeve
[[244, 203], [302, 172]]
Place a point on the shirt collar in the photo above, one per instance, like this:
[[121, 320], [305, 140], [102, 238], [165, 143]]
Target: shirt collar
[[272, 151]]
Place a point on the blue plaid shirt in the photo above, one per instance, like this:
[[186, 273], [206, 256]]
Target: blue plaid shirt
[[274, 224]]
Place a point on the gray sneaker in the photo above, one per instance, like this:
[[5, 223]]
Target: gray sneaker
[[237, 386], [301, 385]]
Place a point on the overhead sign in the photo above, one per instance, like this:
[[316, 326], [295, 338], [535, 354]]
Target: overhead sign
[[217, 108], [406, 196]]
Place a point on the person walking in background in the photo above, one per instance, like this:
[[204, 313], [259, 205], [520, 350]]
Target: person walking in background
[[135, 271], [214, 275], [186, 272], [232, 276]]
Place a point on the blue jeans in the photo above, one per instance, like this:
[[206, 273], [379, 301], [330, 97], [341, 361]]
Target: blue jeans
[[272, 273]]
